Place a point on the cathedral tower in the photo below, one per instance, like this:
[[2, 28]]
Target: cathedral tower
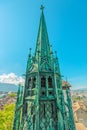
[[42, 105]]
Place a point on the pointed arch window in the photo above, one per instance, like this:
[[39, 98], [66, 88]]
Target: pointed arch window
[[43, 81], [32, 110], [33, 122], [50, 82], [26, 107], [29, 83], [52, 108], [34, 82], [44, 110]]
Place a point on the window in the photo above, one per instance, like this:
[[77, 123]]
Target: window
[[26, 107], [52, 108], [50, 82], [44, 110], [32, 110], [33, 122], [43, 82], [34, 82], [29, 83]]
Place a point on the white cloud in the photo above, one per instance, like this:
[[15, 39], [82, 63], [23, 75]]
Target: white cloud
[[11, 79]]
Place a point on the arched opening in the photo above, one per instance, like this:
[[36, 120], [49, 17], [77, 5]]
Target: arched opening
[[29, 83], [32, 110], [43, 81], [52, 108], [26, 107], [50, 82], [34, 82], [50, 93], [33, 122], [44, 110]]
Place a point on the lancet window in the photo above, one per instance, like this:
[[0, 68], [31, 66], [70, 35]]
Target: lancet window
[[33, 122], [44, 110], [26, 106], [43, 81], [34, 82], [52, 108], [29, 83], [32, 110], [50, 82]]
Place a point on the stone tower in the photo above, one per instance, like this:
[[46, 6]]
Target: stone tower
[[42, 105]]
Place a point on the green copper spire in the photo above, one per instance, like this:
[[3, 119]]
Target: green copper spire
[[18, 108], [42, 105], [29, 60], [42, 44]]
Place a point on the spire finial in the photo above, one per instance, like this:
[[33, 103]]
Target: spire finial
[[30, 52], [42, 7], [56, 54]]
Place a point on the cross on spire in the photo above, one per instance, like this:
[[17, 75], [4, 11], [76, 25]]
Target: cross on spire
[[42, 7]]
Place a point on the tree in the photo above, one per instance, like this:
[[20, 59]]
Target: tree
[[6, 117]]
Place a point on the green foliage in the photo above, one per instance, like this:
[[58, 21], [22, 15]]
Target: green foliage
[[12, 95], [6, 117], [78, 98]]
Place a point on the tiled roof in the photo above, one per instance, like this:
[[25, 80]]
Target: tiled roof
[[65, 83], [78, 105], [80, 126]]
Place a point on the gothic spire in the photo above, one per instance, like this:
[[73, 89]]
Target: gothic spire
[[29, 60], [42, 44], [41, 105]]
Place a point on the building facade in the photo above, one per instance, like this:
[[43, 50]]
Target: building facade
[[41, 105]]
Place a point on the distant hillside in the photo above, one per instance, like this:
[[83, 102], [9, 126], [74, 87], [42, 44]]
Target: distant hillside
[[8, 87], [81, 89]]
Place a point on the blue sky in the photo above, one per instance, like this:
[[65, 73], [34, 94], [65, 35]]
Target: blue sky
[[67, 29]]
